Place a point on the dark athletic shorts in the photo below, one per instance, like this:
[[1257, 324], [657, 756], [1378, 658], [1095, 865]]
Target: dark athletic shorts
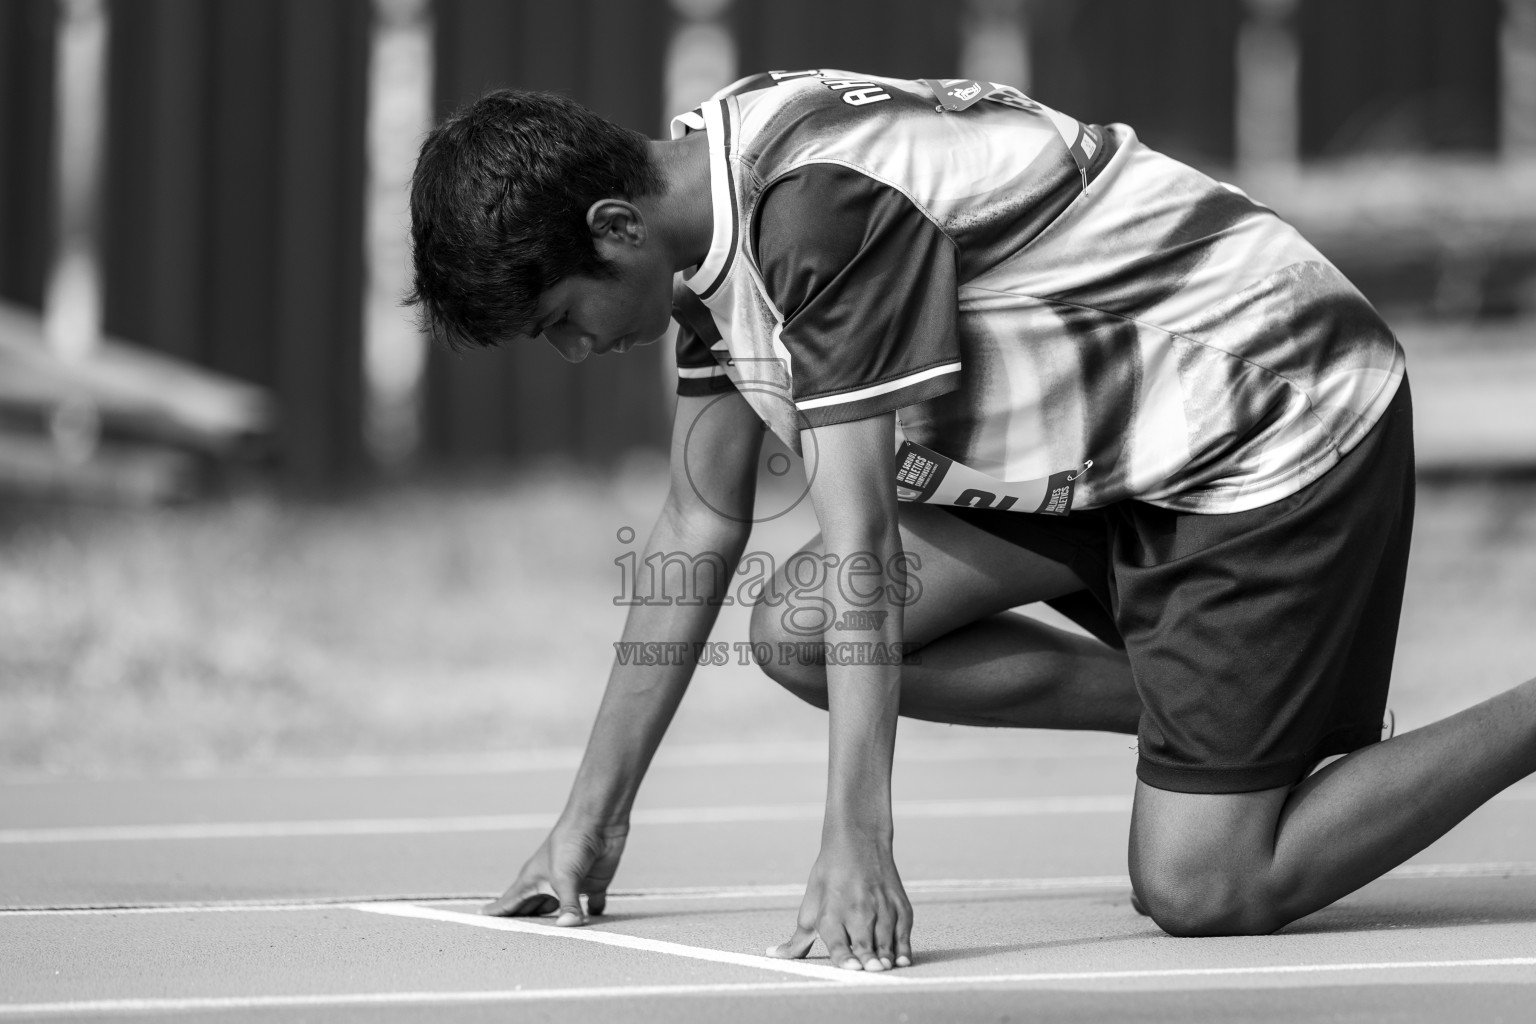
[[1261, 641]]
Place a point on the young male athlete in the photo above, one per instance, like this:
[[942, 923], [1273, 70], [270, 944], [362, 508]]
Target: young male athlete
[[1108, 382]]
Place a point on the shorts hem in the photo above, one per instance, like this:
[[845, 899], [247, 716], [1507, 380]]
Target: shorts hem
[[1250, 778]]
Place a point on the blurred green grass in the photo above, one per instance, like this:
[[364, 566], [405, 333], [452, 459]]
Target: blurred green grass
[[467, 616]]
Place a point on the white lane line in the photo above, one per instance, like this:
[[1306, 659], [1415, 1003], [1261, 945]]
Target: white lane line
[[1074, 977], [345, 999], [718, 956], [233, 906], [787, 890], [746, 988], [918, 887], [540, 820], [275, 829], [697, 755], [1495, 869]]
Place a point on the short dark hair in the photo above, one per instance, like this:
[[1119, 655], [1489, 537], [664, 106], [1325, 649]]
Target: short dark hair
[[498, 209]]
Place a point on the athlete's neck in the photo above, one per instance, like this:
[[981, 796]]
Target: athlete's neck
[[683, 213]]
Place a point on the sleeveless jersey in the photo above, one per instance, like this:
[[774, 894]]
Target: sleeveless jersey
[[1030, 295]]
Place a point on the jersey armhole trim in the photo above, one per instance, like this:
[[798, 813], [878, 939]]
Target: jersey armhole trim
[[701, 371], [893, 401], [883, 388]]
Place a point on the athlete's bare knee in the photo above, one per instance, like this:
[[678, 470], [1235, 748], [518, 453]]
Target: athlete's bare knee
[[1203, 864], [1202, 902]]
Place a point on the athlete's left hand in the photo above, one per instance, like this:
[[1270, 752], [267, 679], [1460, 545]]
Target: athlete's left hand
[[856, 904]]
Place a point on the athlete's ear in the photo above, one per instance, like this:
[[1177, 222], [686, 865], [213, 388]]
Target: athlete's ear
[[615, 220]]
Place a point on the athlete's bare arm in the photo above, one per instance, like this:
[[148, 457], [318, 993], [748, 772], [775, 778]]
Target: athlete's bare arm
[[582, 851], [854, 900]]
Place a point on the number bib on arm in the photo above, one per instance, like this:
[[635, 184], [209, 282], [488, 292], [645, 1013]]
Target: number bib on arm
[[923, 475]]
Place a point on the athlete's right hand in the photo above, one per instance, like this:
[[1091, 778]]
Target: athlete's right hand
[[574, 861]]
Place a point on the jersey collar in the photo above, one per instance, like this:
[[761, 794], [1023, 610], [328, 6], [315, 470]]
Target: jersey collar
[[714, 118]]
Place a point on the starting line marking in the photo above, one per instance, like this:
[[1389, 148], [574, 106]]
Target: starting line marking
[[719, 956], [787, 890], [783, 988]]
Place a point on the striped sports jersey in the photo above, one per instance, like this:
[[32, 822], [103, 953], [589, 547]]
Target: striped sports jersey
[[1029, 294]]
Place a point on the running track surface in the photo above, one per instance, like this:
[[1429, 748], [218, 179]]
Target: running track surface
[[351, 896]]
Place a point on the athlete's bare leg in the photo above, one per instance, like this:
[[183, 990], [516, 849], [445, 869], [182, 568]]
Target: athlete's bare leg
[[1244, 863], [1249, 863], [978, 663]]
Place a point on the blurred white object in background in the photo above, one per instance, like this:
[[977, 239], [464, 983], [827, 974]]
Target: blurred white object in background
[[1517, 66], [1267, 108], [72, 303], [399, 115], [994, 42], [701, 55]]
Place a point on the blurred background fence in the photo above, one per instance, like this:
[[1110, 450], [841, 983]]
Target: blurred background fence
[[203, 245], [222, 181]]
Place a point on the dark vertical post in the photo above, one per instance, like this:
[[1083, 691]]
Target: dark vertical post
[[240, 147], [26, 132], [319, 238], [235, 204], [1396, 75], [897, 38], [154, 257], [1167, 69]]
